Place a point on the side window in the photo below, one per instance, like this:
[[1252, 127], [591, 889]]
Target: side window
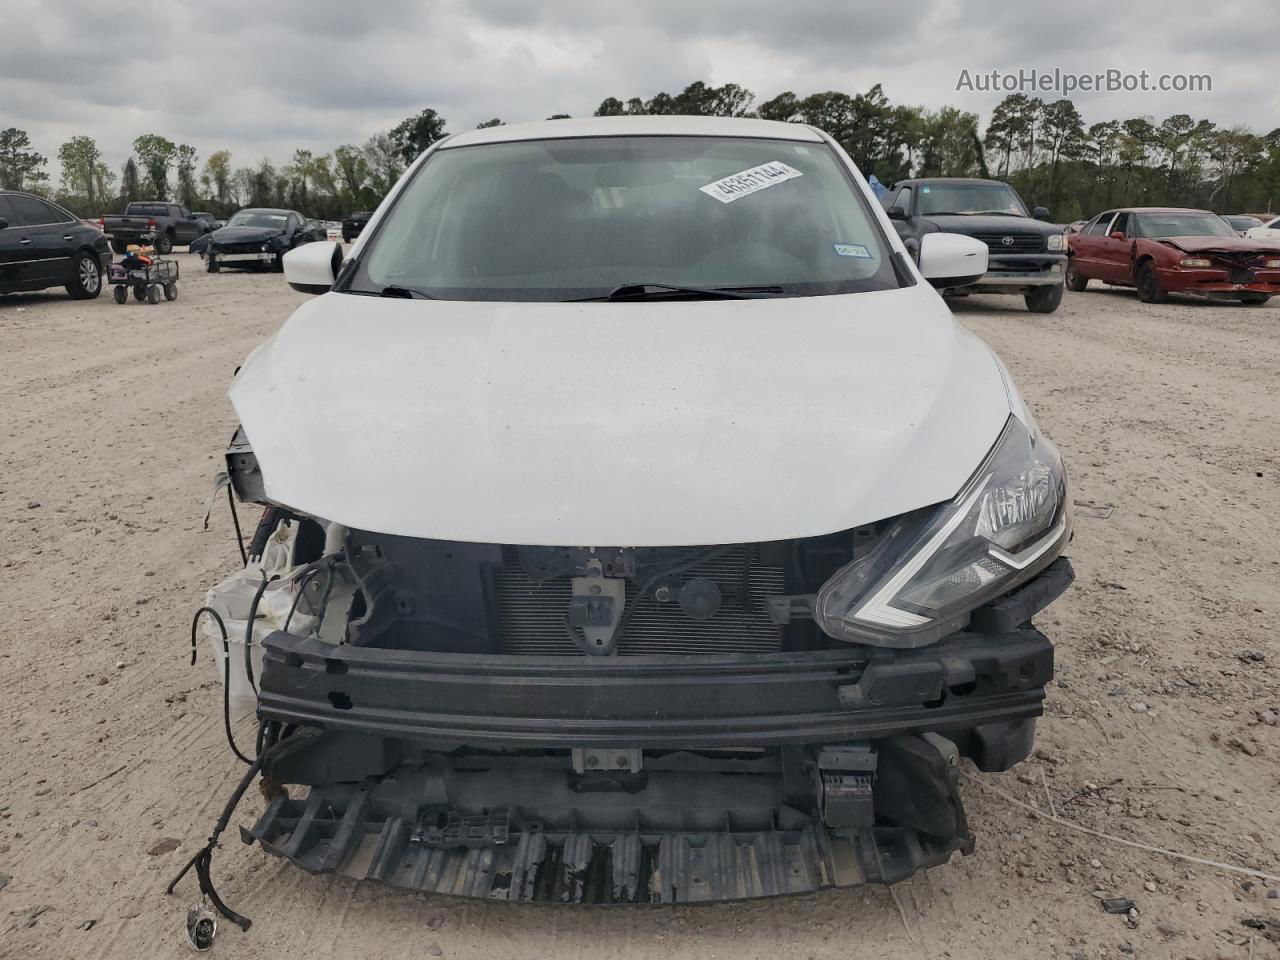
[[1121, 224], [6, 212], [904, 199], [1099, 227], [184, 213], [30, 212], [295, 221]]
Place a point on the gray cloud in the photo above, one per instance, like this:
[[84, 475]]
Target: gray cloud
[[262, 79]]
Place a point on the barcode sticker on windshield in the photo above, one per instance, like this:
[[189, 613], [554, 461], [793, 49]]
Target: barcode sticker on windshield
[[743, 184]]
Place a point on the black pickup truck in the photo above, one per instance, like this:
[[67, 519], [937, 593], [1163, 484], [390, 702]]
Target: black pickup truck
[[164, 224], [1026, 255]]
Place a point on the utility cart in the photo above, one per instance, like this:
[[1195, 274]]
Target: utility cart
[[147, 279]]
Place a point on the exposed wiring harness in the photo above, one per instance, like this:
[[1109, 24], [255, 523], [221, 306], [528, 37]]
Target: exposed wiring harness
[[226, 675], [235, 519], [203, 858]]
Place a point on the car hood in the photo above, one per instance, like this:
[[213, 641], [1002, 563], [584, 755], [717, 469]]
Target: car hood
[[1221, 244], [246, 234], [620, 424], [983, 224]]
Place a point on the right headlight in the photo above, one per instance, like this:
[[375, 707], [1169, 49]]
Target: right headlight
[[925, 573]]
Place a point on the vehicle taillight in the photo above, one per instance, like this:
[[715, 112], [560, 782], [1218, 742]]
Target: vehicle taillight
[[151, 222], [102, 223]]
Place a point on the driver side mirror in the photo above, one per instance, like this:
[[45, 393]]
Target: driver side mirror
[[897, 213], [952, 259], [1118, 235], [312, 267], [1040, 213]]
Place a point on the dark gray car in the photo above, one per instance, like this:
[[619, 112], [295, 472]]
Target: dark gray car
[[42, 245]]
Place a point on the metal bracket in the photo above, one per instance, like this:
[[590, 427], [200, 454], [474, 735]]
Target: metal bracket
[[596, 760]]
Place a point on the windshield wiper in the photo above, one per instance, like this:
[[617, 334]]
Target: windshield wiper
[[405, 293], [645, 291]]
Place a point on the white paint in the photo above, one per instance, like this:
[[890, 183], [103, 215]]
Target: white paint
[[946, 256], [624, 424]]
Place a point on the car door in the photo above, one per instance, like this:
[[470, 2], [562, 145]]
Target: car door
[[185, 227], [45, 241], [1086, 246], [11, 254], [1113, 251]]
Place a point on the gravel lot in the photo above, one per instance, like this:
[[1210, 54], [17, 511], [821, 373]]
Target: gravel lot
[[1161, 727]]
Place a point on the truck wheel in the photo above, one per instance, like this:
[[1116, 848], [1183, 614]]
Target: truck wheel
[[1254, 299], [1044, 299], [86, 277], [1075, 282], [164, 243], [121, 293], [120, 247], [211, 265], [139, 292], [1149, 285]]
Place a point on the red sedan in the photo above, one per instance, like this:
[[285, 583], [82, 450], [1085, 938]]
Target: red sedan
[[1167, 250]]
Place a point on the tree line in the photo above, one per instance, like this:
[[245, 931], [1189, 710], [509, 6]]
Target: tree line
[[1043, 148]]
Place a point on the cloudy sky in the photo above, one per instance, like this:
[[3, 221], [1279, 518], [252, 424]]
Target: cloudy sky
[[263, 77]]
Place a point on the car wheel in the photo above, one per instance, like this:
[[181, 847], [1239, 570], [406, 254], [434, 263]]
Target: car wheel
[[121, 293], [120, 247], [1149, 284], [139, 292], [171, 291], [1044, 299], [86, 277], [164, 243], [153, 295], [1254, 299], [1075, 282], [211, 265]]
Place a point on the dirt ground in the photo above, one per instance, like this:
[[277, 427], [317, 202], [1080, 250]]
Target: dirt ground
[[1161, 727]]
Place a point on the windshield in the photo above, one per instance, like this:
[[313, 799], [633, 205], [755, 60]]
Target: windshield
[[1184, 225], [968, 198], [577, 218], [257, 218]]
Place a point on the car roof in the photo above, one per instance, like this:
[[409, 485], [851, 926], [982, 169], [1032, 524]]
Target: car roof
[[637, 126], [1157, 210], [948, 180]]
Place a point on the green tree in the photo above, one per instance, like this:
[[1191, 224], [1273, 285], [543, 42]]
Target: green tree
[[351, 170], [385, 161], [156, 154], [82, 168], [130, 185], [185, 158], [412, 136], [21, 168], [217, 175]]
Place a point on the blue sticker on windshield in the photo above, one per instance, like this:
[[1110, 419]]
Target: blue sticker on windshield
[[852, 250]]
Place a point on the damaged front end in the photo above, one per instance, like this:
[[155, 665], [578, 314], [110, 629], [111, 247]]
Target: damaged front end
[[641, 725]]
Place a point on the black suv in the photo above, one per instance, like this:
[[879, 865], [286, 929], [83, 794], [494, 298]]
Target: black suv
[[42, 245], [1027, 256]]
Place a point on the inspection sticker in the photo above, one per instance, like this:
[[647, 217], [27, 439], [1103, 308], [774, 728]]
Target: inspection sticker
[[747, 182], [852, 250]]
